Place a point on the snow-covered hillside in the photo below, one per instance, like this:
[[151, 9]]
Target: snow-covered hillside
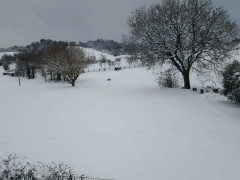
[[98, 54], [8, 53], [125, 129]]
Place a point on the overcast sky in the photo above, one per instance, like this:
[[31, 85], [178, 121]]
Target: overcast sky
[[25, 21]]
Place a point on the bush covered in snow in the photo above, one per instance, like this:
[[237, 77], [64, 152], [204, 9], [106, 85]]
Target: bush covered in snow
[[14, 167], [168, 79], [231, 81]]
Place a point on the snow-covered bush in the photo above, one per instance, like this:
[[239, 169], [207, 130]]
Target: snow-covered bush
[[168, 79], [14, 167], [56, 170], [231, 81], [6, 66]]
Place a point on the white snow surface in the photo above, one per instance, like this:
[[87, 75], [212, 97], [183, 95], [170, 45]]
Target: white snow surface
[[125, 129]]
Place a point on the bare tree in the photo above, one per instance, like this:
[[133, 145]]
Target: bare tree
[[68, 61], [117, 62], [102, 61], [28, 62], [188, 34], [110, 63]]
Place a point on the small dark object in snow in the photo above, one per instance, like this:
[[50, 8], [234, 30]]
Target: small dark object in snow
[[201, 91], [108, 79], [194, 89], [117, 68], [215, 90]]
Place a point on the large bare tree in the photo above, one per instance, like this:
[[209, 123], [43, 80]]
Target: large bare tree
[[188, 34], [68, 61]]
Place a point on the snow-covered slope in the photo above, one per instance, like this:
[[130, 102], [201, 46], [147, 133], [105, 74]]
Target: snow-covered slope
[[125, 129], [9, 53], [98, 54]]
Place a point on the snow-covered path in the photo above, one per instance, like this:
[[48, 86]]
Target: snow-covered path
[[126, 128]]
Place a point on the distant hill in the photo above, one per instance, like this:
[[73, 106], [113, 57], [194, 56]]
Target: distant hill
[[11, 49], [108, 46]]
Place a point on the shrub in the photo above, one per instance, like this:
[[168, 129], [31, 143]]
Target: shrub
[[231, 81], [5, 66], [168, 79], [14, 167]]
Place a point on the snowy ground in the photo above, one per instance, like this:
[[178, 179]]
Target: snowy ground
[[125, 129]]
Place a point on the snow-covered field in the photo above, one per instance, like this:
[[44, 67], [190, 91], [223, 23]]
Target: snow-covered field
[[125, 129]]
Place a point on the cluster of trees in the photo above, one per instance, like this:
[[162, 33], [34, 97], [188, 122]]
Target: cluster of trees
[[54, 58], [104, 62], [190, 35], [28, 62]]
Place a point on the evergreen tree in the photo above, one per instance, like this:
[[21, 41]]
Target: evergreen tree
[[231, 81]]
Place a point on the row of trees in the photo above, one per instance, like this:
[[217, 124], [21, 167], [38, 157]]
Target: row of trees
[[103, 62], [57, 59]]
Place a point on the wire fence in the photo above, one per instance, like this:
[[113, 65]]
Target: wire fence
[[55, 178], [111, 68]]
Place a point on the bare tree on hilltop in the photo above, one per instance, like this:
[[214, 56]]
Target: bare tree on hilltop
[[188, 34]]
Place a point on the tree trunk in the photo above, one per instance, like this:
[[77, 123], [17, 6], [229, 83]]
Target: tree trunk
[[33, 74], [59, 77], [28, 73], [51, 75], [73, 82], [186, 79]]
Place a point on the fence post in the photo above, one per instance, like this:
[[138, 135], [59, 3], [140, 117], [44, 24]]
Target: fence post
[[82, 177]]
